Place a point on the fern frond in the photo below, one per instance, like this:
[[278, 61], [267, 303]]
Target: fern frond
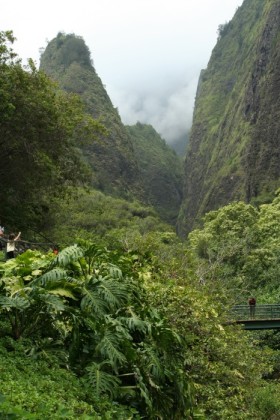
[[134, 323], [117, 325], [94, 251], [54, 302], [144, 392], [109, 348], [93, 303], [152, 364], [55, 274], [14, 302], [112, 292], [68, 255], [114, 271], [101, 381]]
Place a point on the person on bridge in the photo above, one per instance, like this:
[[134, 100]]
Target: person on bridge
[[252, 304], [1, 236], [11, 246]]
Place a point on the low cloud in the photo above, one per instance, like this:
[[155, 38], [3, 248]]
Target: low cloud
[[168, 109], [149, 57]]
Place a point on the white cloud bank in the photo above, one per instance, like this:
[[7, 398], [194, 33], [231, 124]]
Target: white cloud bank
[[148, 53], [170, 113]]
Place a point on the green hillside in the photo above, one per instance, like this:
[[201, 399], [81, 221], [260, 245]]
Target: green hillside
[[234, 144], [123, 158], [160, 171], [113, 316], [67, 60]]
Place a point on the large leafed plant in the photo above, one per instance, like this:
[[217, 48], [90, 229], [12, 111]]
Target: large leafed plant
[[86, 307]]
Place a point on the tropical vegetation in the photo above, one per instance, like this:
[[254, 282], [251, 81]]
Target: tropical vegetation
[[127, 320]]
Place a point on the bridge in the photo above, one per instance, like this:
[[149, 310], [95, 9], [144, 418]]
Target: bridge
[[258, 317], [22, 245]]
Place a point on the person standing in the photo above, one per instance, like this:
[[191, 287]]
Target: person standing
[[252, 304], [1, 236], [11, 245]]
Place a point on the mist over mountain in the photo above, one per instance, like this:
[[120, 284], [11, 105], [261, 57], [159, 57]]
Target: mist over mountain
[[167, 106]]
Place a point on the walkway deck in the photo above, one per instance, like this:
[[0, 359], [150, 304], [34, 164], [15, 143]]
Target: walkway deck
[[258, 318]]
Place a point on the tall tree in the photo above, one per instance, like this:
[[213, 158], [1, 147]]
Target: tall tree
[[40, 129]]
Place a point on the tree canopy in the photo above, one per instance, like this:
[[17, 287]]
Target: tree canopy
[[40, 129]]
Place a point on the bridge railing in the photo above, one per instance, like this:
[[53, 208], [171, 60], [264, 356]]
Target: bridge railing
[[22, 245], [246, 312]]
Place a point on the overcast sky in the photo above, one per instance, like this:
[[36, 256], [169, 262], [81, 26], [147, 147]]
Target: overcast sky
[[148, 53]]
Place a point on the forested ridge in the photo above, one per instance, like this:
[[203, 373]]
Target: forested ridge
[[127, 320], [117, 165]]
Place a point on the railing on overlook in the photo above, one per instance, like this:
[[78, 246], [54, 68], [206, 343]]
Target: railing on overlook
[[22, 245], [258, 312]]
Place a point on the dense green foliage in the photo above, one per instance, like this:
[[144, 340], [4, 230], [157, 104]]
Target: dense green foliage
[[107, 219], [160, 170], [40, 129], [143, 323], [239, 245], [135, 327], [127, 321], [86, 310], [38, 387], [237, 251]]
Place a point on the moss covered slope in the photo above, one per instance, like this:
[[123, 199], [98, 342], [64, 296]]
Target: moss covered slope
[[129, 162], [160, 169], [234, 145], [67, 60]]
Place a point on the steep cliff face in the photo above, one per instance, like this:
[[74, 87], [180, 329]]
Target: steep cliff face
[[234, 148], [67, 60]]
